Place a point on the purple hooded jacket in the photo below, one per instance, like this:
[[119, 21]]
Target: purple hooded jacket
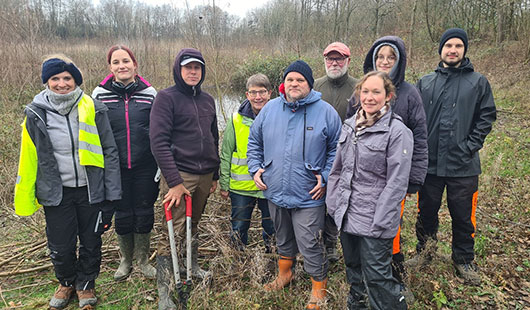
[[183, 127]]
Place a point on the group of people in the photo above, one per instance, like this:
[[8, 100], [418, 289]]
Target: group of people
[[328, 158]]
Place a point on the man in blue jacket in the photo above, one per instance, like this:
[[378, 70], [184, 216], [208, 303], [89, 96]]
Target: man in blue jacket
[[291, 149], [460, 112]]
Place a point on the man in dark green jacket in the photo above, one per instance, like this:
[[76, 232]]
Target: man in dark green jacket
[[336, 88], [337, 85], [460, 111]]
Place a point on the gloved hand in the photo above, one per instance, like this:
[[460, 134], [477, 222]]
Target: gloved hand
[[106, 212], [413, 188]]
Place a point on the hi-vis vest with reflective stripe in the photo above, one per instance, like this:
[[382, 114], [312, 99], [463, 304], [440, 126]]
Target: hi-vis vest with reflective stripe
[[240, 179], [90, 154]]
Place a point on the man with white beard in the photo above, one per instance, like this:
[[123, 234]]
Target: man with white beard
[[337, 85], [337, 88]]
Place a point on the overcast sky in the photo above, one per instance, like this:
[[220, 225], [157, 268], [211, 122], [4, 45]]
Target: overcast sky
[[234, 7]]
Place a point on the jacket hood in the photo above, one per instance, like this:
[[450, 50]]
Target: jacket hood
[[465, 66], [398, 72], [312, 97], [245, 109], [177, 77]]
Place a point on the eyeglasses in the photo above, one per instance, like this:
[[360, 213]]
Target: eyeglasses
[[390, 58], [254, 93], [340, 60]]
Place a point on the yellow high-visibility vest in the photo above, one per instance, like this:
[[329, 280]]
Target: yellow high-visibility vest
[[240, 179], [90, 154], [90, 150]]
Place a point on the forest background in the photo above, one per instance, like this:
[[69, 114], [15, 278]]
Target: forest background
[[267, 40]]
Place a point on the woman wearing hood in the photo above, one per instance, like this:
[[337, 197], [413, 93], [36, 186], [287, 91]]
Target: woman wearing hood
[[388, 54], [185, 143], [129, 98], [69, 165]]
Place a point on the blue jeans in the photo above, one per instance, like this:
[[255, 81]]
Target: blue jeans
[[242, 207]]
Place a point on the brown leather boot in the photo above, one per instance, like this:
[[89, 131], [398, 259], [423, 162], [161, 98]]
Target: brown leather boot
[[318, 294], [62, 296], [285, 274], [87, 299]]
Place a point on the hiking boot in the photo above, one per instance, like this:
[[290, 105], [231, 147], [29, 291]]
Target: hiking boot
[[285, 274], [141, 252], [331, 251], [61, 297], [418, 261], [87, 299], [318, 294], [357, 302], [126, 243], [468, 272]]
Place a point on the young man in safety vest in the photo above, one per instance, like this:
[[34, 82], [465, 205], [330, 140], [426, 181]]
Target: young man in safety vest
[[234, 179]]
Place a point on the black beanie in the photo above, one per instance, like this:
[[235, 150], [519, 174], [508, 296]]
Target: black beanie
[[303, 68], [453, 33], [55, 66]]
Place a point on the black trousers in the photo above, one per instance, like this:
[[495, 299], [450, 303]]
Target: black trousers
[[461, 202], [369, 271], [74, 218], [134, 212]]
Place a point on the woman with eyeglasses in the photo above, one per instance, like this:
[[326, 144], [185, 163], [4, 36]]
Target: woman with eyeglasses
[[388, 54], [129, 98]]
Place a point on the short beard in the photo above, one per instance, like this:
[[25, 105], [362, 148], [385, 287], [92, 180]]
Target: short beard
[[333, 75], [453, 64]]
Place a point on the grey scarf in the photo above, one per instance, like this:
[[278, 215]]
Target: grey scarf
[[63, 103]]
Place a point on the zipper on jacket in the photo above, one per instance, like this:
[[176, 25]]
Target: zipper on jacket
[[200, 129], [126, 100], [73, 149], [88, 186]]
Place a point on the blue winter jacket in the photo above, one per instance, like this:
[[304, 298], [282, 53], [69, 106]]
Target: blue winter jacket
[[293, 142]]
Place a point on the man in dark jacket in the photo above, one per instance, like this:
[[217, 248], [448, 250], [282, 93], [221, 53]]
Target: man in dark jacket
[[336, 88], [184, 141], [460, 111]]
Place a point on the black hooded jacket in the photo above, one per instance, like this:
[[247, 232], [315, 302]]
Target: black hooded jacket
[[129, 109], [407, 104], [460, 112], [183, 131]]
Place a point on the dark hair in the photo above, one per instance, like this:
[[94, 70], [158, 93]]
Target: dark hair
[[121, 47], [387, 82], [259, 80]]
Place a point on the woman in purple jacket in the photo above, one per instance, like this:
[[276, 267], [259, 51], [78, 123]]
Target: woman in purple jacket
[[367, 182]]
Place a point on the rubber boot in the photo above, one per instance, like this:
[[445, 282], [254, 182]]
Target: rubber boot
[[196, 269], [285, 274], [141, 252], [126, 243], [164, 278], [318, 294]]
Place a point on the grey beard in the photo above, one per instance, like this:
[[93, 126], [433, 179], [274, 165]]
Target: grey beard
[[63, 103]]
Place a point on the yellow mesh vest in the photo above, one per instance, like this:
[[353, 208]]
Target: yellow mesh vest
[[240, 179], [90, 150]]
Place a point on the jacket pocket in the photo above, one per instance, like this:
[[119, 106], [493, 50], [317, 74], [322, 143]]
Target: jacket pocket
[[372, 157]]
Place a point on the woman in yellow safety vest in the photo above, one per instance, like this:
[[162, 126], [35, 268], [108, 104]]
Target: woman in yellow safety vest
[[69, 165]]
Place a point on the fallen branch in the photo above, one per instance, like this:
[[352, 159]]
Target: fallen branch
[[42, 244], [12, 273]]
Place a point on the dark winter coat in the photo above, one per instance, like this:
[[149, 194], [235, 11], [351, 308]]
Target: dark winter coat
[[183, 129], [129, 110], [460, 112], [408, 106]]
